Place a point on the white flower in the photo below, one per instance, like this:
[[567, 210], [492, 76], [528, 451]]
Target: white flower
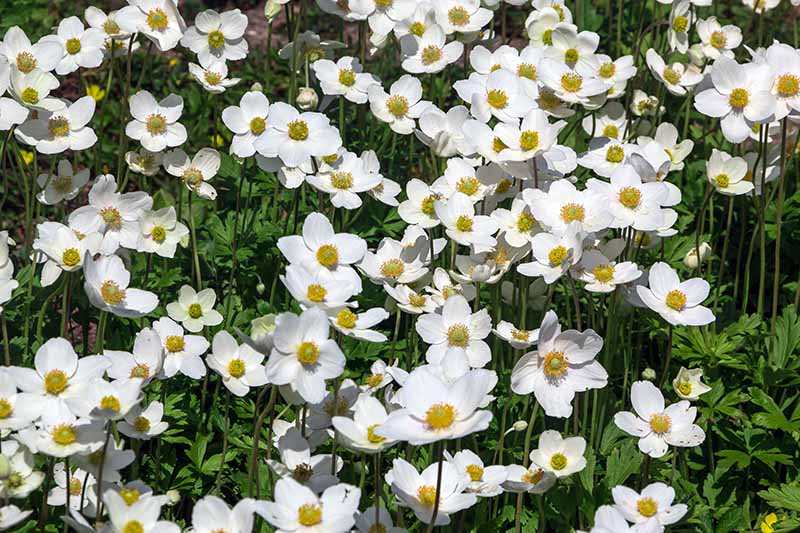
[[144, 424], [181, 352], [667, 137], [247, 121], [785, 62], [160, 232], [443, 132], [659, 427], [463, 225], [630, 202], [78, 479], [20, 53], [195, 310], [344, 180], [435, 410], [687, 384], [82, 47], [418, 491], [141, 515], [607, 519], [11, 113], [358, 433], [65, 129], [420, 208], [239, 366], [60, 434], [727, 174], [570, 47], [428, 53], [106, 400], [456, 336], [19, 409], [393, 262], [400, 106], [462, 16], [562, 365], [11, 515], [313, 471], [652, 508], [155, 124], [195, 172], [553, 255], [575, 86], [158, 20], [345, 77], [563, 205], [411, 301], [609, 122], [217, 36], [65, 184], [532, 479], [606, 155], [213, 76], [107, 286], [601, 274], [485, 481], [144, 362], [144, 161], [677, 302], [533, 136], [680, 22], [211, 514], [500, 95], [519, 339], [365, 522], [676, 77], [303, 355], [559, 456], [64, 250], [316, 289], [108, 24], [297, 508], [740, 96], [295, 136], [717, 40]]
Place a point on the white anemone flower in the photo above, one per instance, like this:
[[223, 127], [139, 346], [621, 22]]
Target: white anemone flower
[[650, 510], [143, 362], [64, 185], [144, 424], [500, 95], [571, 47], [564, 204], [605, 155], [158, 20], [463, 226], [217, 36], [32, 89], [60, 433], [484, 481], [574, 86], [563, 364], [657, 426], [687, 384], [517, 225], [420, 206], [554, 255], [22, 479], [400, 106], [394, 262], [82, 47], [676, 77], [295, 137], [105, 400], [785, 62], [78, 482], [727, 174], [667, 137], [107, 286], [630, 202], [11, 113], [461, 16], [64, 250], [680, 22], [195, 172], [315, 289], [418, 490], [411, 301], [144, 161], [247, 122], [603, 275], [718, 40], [182, 353], [211, 515], [532, 479], [297, 508], [213, 76], [195, 310], [64, 129], [677, 302], [428, 53], [141, 515], [518, 338], [528, 138], [18, 409], [443, 132], [240, 366], [345, 77], [155, 124], [358, 433], [344, 181], [297, 463], [366, 521], [11, 515], [559, 456], [607, 519], [21, 53], [160, 232]]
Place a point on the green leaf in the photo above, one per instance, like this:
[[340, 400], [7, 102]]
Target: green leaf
[[623, 462], [784, 497]]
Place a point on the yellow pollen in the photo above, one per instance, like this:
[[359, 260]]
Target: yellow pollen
[[58, 127], [216, 39], [558, 461], [330, 159], [718, 40], [112, 218], [258, 125], [111, 27], [316, 292], [607, 70], [141, 370], [298, 130], [458, 16], [62, 184], [383, 4], [30, 96], [374, 380], [417, 29], [611, 131], [560, 10], [571, 82], [346, 319], [431, 54], [417, 300], [427, 495], [328, 255], [647, 507], [498, 145], [630, 197], [672, 76], [503, 186], [572, 212], [533, 477], [64, 434], [497, 98], [195, 310], [308, 353], [158, 234], [660, 423], [133, 526], [571, 56], [468, 185], [56, 382], [440, 416], [237, 368], [787, 85], [475, 472], [341, 180], [520, 334], [393, 268], [309, 514], [676, 300], [680, 23], [141, 424], [722, 180], [547, 37], [525, 222], [615, 154], [685, 388], [526, 70], [110, 403], [129, 496], [75, 486], [347, 77], [603, 273], [428, 205], [5, 408], [458, 335], [213, 78], [555, 364], [529, 140], [450, 290], [73, 46], [372, 437], [175, 343], [739, 98], [26, 62], [156, 124], [397, 105], [111, 293], [464, 223], [70, 257], [557, 256], [157, 19]]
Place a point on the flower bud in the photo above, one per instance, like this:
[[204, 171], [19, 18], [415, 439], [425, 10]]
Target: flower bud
[[690, 259], [520, 425], [307, 99], [696, 55], [174, 496], [260, 288], [649, 374], [5, 468], [257, 87], [271, 9]]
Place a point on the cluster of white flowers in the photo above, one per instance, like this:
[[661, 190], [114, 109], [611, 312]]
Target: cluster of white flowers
[[510, 203]]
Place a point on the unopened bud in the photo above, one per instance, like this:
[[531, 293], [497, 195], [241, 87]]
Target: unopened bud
[[260, 288], [690, 259], [271, 9], [174, 496], [257, 87], [520, 425], [307, 99], [696, 55], [649, 374]]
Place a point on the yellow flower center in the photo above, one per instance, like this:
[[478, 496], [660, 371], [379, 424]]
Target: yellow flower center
[[133, 526], [555, 364], [427, 495], [557, 256], [341, 180], [722, 180], [112, 218], [62, 184], [560, 10], [213, 78], [58, 127], [157, 19], [258, 125], [347, 77], [458, 335], [503, 186], [237, 368], [630, 197], [346, 319], [30, 96], [660, 423], [298, 130], [680, 23], [572, 212], [141, 424], [676, 300], [309, 514], [526, 70], [26, 62], [327, 255], [440, 416], [718, 40], [571, 82], [330, 159], [316, 292], [558, 461], [428, 205], [372, 437], [129, 496], [110, 403], [70, 257], [175, 343], [64, 434], [75, 486], [475, 472], [603, 273], [393, 268], [685, 388], [158, 234], [468, 185], [498, 145], [787, 85], [397, 105], [571, 55], [216, 39], [529, 140], [615, 154], [308, 353], [195, 310], [141, 371], [647, 507], [73, 46], [525, 222], [520, 334], [547, 37], [5, 408], [383, 4], [497, 98], [417, 300], [156, 124], [533, 477], [739, 98], [464, 223], [611, 131], [607, 70], [417, 29], [671, 75], [111, 293], [374, 380], [56, 382], [111, 27], [431, 54], [458, 16]]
